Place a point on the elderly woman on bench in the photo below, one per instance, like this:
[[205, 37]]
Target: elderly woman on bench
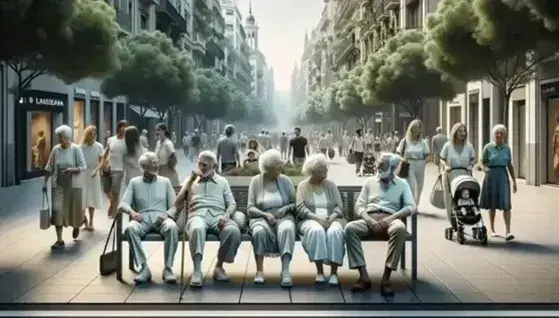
[[384, 201], [211, 210], [271, 202], [321, 218], [149, 200]]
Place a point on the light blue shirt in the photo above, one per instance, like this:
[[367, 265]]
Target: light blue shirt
[[395, 198], [213, 196], [151, 199]]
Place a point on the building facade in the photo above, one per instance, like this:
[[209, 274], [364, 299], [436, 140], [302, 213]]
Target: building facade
[[28, 123]]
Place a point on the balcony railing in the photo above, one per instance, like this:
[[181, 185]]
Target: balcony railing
[[392, 4], [199, 39]]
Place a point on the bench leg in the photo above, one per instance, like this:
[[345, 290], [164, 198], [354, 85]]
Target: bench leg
[[414, 260], [119, 261], [403, 258]]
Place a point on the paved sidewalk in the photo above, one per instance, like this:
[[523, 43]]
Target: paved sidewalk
[[525, 270]]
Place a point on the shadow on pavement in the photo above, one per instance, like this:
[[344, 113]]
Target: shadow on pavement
[[523, 247]]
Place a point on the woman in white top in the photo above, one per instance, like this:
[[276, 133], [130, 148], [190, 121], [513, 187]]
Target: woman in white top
[[92, 154], [323, 144], [165, 151], [358, 148], [321, 218], [415, 150], [456, 153], [65, 164], [134, 151]]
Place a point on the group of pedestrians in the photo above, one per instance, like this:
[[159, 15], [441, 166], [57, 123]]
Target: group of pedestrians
[[79, 174]]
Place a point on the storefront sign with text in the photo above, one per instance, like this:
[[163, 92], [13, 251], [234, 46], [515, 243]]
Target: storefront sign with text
[[42, 101]]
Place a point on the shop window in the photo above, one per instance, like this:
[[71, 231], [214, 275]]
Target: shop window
[[39, 141], [94, 113], [78, 122]]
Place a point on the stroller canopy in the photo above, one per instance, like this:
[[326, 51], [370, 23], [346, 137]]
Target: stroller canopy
[[464, 182]]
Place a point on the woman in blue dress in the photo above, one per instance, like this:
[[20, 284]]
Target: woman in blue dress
[[496, 192]]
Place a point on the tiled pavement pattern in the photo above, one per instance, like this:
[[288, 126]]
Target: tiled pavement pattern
[[526, 270]]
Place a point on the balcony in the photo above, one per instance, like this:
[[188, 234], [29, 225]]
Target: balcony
[[344, 47], [392, 4], [383, 17], [124, 20], [203, 3], [412, 2], [150, 2], [217, 6], [199, 43], [169, 16]]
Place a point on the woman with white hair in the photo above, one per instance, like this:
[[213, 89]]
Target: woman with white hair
[[415, 151], [321, 218], [65, 164], [495, 193], [271, 202], [93, 153], [458, 157]]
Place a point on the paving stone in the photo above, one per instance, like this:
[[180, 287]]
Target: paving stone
[[99, 298], [59, 298]]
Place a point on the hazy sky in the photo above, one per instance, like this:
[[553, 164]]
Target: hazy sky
[[282, 31]]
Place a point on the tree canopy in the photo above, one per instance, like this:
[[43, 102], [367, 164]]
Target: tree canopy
[[398, 74], [153, 72], [494, 40], [214, 95], [350, 97], [314, 111], [79, 40]]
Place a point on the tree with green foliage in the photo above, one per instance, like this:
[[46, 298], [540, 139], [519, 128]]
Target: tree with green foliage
[[398, 74], [213, 96], [84, 46], [350, 97], [239, 110], [153, 74], [493, 40], [314, 111]]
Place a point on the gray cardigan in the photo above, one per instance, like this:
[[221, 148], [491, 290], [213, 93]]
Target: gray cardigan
[[305, 200], [256, 194]]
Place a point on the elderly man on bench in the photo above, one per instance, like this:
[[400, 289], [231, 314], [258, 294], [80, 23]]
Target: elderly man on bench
[[384, 201], [149, 200], [211, 210]]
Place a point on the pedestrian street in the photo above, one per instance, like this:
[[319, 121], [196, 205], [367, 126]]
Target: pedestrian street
[[523, 270]]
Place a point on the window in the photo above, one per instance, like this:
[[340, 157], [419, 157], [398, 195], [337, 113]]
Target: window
[[39, 132], [229, 27], [143, 22], [229, 12]]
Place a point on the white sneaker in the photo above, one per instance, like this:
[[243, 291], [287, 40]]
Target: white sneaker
[[197, 279], [334, 280], [320, 279], [220, 274], [144, 276], [259, 278], [286, 280]]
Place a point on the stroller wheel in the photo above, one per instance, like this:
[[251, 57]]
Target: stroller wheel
[[483, 235], [448, 233], [460, 236], [475, 233]]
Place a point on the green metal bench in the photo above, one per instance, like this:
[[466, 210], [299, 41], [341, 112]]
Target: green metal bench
[[349, 196]]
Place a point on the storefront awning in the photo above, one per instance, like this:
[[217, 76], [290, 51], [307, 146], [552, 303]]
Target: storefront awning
[[146, 113]]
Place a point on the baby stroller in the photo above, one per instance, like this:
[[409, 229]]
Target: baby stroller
[[465, 191], [369, 163]]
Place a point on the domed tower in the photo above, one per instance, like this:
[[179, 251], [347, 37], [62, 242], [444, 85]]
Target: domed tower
[[251, 29]]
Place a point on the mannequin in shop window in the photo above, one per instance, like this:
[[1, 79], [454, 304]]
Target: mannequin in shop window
[[41, 147], [556, 150]]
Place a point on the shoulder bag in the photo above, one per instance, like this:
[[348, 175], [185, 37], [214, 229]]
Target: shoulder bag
[[404, 165], [437, 194], [108, 260], [44, 215]]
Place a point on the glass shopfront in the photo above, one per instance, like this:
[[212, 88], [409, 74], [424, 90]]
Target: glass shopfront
[[79, 119], [39, 114], [108, 119], [94, 113], [550, 96]]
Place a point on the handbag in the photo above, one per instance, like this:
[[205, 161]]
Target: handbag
[[404, 165], [108, 260], [437, 194], [45, 215], [331, 153], [351, 159]]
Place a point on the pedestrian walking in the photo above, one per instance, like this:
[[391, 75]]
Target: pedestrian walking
[[93, 194]]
